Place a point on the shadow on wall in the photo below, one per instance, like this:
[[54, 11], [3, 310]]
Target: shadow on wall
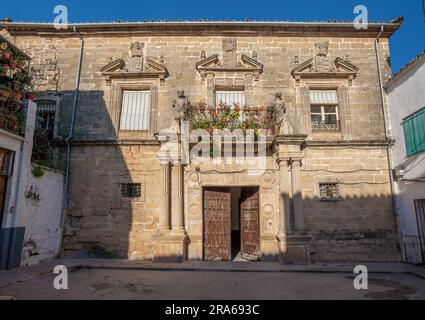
[[113, 208], [112, 193]]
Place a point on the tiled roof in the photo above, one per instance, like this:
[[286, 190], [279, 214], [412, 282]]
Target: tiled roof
[[10, 22], [405, 69]]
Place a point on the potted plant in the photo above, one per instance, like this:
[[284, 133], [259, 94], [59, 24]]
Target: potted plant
[[5, 91]]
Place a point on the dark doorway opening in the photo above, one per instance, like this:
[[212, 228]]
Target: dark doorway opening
[[231, 224]]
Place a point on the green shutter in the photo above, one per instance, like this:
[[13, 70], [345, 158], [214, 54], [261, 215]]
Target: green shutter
[[409, 137], [419, 125], [414, 133]]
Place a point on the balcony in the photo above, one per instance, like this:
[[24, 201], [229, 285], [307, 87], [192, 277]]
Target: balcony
[[327, 126], [15, 83]]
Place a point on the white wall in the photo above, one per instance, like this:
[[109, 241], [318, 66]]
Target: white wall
[[13, 143], [41, 206], [41, 218], [406, 96]]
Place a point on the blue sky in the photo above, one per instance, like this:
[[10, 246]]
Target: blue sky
[[405, 44]]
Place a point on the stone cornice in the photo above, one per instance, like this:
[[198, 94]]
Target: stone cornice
[[241, 28], [349, 143], [100, 142]]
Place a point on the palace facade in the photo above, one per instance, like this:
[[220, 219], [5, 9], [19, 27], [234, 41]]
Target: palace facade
[[324, 192]]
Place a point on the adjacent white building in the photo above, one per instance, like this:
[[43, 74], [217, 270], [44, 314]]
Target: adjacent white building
[[406, 94]]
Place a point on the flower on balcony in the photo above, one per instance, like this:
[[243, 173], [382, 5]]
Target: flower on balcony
[[15, 82], [223, 116]]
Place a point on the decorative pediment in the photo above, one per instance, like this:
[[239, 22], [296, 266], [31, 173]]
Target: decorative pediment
[[213, 64], [136, 66], [321, 66], [229, 61]]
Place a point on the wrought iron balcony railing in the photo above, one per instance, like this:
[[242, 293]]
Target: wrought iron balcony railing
[[326, 125]]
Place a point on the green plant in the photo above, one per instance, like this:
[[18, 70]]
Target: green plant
[[42, 148], [37, 171]]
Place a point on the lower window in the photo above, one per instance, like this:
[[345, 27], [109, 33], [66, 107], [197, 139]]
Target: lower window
[[329, 191]]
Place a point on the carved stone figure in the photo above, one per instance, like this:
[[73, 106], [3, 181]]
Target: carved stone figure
[[180, 105], [323, 64], [136, 57], [283, 123]]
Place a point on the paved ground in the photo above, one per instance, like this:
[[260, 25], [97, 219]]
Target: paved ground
[[129, 280]]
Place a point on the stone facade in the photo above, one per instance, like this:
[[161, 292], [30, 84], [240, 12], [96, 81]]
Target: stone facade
[[295, 224]]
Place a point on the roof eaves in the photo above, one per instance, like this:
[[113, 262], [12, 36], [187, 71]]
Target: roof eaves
[[405, 69]]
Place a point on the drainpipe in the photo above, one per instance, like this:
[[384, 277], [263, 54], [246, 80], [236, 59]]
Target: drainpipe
[[71, 134], [389, 148]]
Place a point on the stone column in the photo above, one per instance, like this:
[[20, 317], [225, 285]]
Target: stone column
[[177, 198], [164, 216], [284, 198], [297, 197]]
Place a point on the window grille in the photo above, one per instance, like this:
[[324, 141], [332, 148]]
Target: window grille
[[329, 190], [46, 113], [131, 190]]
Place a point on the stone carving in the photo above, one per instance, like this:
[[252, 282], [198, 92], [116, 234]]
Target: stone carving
[[323, 64], [283, 123], [229, 52], [296, 61], [322, 48], [254, 55], [229, 45], [136, 57], [180, 105], [203, 55]]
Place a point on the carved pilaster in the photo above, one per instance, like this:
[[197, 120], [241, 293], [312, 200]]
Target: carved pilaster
[[164, 216], [249, 89], [297, 195], [284, 198], [344, 112], [177, 198], [210, 89], [304, 111]]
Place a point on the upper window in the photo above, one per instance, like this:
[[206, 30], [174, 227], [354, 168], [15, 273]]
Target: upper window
[[135, 110], [230, 98], [324, 110], [46, 113], [414, 132]]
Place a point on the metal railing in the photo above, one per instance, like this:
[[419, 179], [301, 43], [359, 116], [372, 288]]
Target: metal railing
[[326, 125]]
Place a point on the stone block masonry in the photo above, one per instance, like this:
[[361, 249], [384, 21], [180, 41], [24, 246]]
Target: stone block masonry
[[296, 222]]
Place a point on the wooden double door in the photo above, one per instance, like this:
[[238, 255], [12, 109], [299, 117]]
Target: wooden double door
[[218, 221]]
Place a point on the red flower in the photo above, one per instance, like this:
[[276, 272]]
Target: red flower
[[7, 54], [12, 65]]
